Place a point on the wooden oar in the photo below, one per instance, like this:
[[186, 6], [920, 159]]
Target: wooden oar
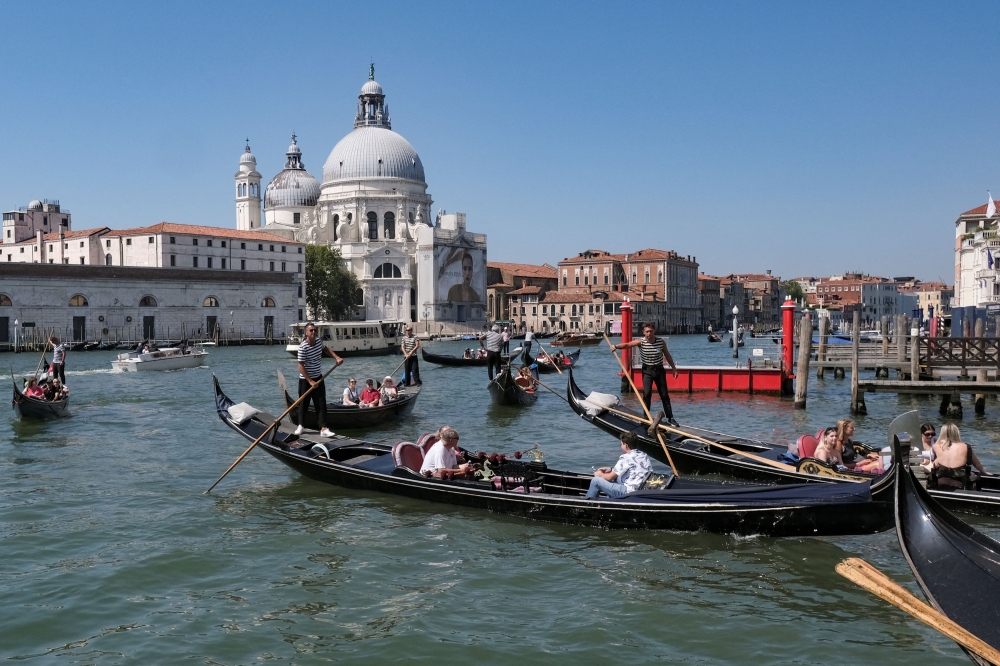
[[45, 348], [539, 381], [551, 360], [400, 365], [274, 424], [766, 461], [865, 575], [628, 375]]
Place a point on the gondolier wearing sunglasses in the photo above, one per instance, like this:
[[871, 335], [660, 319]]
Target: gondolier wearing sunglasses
[[652, 351], [311, 352]]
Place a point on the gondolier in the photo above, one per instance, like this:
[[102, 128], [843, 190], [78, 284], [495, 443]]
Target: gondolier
[[529, 336], [652, 352], [493, 342], [311, 352], [411, 370], [57, 368]]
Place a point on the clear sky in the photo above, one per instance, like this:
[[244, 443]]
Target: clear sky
[[806, 138]]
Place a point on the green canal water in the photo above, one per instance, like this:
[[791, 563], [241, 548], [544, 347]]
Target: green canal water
[[112, 554]]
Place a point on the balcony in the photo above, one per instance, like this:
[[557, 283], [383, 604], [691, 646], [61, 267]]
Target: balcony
[[988, 273]]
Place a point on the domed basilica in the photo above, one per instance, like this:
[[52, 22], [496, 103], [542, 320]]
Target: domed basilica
[[373, 206]]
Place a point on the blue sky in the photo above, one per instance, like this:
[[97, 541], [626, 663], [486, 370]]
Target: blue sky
[[805, 138]]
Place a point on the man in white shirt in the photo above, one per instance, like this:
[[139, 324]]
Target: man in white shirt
[[628, 474], [442, 457], [528, 338]]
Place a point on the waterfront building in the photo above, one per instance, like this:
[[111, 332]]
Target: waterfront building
[[732, 294], [977, 248], [373, 206], [764, 296], [808, 285], [933, 299], [673, 279], [504, 278], [710, 301]]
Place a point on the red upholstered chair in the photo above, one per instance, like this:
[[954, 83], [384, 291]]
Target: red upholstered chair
[[426, 441], [408, 455], [819, 433], [807, 446]]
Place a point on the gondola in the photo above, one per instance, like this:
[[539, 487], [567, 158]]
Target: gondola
[[691, 456], [38, 409], [532, 490], [545, 366], [957, 567], [444, 359], [506, 389], [576, 340], [349, 417], [713, 337]]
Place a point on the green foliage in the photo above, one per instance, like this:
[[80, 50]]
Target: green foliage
[[793, 289], [331, 289]]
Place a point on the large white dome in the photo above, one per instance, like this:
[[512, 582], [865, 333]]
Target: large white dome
[[373, 152]]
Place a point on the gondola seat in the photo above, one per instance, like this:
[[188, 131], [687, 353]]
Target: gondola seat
[[408, 455], [426, 441], [806, 445], [524, 383]]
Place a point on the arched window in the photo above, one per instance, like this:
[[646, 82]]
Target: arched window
[[267, 303], [210, 302], [336, 223], [387, 270], [5, 301], [372, 226], [574, 310], [78, 301], [390, 225], [147, 302], [107, 259]]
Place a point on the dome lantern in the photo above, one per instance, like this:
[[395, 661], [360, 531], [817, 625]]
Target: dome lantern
[[372, 109]]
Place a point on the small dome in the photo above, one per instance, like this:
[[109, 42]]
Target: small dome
[[35, 205], [294, 147], [292, 187], [371, 88], [247, 157]]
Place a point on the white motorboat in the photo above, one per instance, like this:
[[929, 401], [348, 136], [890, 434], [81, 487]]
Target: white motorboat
[[168, 358], [352, 338]]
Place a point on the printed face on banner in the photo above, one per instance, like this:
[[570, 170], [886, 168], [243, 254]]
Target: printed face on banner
[[461, 274]]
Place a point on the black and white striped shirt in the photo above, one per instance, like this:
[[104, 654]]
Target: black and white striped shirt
[[59, 353], [309, 357], [651, 353], [493, 341], [409, 343]]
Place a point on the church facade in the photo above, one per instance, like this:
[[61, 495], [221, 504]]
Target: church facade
[[373, 206]]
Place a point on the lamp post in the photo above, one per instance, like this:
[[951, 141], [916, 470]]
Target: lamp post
[[16, 350], [735, 339]]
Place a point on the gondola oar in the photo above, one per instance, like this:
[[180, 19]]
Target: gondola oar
[[45, 348], [766, 461], [551, 390], [400, 365], [628, 375], [865, 575], [274, 424]]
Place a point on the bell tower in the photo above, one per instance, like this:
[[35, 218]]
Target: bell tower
[[247, 192]]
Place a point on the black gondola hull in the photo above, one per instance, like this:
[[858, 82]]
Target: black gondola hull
[[33, 408], [454, 361], [777, 517], [504, 391], [549, 368], [339, 417]]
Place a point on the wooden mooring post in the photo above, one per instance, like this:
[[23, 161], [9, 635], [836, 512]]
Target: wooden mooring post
[[857, 399], [979, 401], [805, 353], [824, 331]]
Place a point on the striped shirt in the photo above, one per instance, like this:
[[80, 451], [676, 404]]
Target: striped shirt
[[309, 357], [409, 342], [59, 353], [651, 353], [493, 341]]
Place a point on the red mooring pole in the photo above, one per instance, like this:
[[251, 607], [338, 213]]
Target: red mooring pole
[[787, 343], [626, 337]]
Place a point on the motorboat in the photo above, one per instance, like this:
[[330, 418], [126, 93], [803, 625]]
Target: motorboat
[[352, 338], [167, 358]]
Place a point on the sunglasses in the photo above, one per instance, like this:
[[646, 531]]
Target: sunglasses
[[929, 434]]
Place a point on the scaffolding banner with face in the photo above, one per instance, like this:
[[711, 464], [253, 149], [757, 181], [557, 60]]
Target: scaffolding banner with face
[[461, 274]]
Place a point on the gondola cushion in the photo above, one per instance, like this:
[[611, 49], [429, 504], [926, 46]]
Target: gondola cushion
[[595, 403], [241, 413], [426, 441], [807, 446], [408, 455]]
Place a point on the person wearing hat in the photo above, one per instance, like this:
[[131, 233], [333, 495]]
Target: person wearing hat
[[493, 343], [409, 347]]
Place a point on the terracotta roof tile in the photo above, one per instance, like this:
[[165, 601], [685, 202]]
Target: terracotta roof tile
[[525, 290], [524, 270], [196, 230], [82, 233]]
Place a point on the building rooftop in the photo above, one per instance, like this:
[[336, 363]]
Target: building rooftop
[[82, 233], [525, 290], [196, 230], [524, 270]]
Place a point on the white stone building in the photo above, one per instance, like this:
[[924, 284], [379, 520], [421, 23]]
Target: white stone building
[[977, 267], [373, 206]]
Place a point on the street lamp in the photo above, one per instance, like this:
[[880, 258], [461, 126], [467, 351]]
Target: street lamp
[[15, 337], [734, 339]]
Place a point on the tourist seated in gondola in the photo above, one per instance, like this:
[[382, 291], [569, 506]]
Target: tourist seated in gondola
[[370, 396], [872, 463], [443, 458], [33, 390], [59, 391], [351, 396], [467, 354], [927, 440], [628, 474], [388, 392], [953, 460]]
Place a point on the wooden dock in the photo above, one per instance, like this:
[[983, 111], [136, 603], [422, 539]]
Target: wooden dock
[[943, 387]]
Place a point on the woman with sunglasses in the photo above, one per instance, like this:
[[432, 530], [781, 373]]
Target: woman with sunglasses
[[351, 395]]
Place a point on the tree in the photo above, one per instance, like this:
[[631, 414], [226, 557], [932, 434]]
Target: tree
[[794, 290], [331, 289]]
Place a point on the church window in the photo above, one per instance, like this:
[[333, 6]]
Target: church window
[[173, 260], [267, 303], [210, 302], [296, 218], [5, 301], [147, 302], [390, 225], [194, 262], [372, 226], [78, 301]]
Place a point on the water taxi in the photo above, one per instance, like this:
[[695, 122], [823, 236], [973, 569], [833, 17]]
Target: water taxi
[[168, 358], [352, 338]]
